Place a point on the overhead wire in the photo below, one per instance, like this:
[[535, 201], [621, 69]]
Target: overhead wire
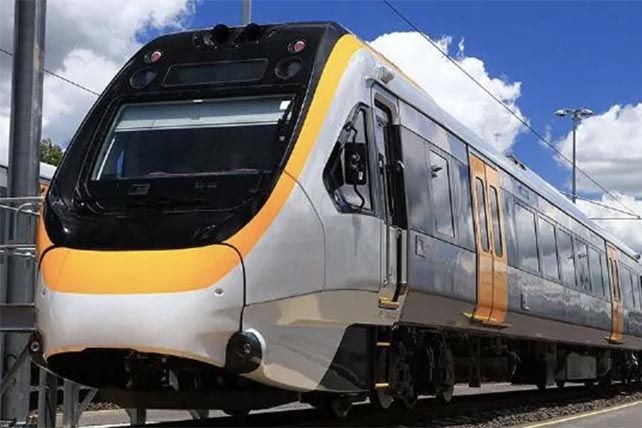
[[506, 107], [58, 76]]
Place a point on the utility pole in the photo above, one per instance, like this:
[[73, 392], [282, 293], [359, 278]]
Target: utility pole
[[576, 116], [246, 12], [24, 174]]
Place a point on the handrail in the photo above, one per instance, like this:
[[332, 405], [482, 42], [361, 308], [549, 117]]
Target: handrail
[[26, 205]]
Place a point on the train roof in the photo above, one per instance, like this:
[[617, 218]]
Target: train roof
[[421, 100]]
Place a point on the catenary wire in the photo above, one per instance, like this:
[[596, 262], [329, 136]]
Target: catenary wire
[[505, 106], [58, 76]]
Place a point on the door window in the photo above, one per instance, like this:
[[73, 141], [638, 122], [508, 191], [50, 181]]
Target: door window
[[481, 213], [497, 226]]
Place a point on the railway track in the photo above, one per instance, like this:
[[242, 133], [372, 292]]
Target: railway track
[[486, 409]]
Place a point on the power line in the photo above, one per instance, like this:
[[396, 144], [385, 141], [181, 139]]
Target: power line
[[504, 105], [56, 75], [599, 204]]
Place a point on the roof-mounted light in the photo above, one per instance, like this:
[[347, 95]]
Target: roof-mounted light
[[296, 46]]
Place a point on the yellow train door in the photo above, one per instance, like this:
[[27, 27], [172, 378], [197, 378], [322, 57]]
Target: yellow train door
[[492, 290], [617, 314]]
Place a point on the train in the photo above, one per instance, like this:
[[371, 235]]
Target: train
[[262, 214]]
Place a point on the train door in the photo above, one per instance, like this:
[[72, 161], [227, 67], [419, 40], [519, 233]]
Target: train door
[[492, 291], [617, 314], [392, 201]]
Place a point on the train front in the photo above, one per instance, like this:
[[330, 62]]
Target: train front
[[173, 177]]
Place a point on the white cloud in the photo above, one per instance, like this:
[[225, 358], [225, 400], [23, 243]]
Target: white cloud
[[609, 149], [452, 90], [627, 231], [86, 41]]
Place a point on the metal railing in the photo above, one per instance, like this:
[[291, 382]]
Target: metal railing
[[28, 206]]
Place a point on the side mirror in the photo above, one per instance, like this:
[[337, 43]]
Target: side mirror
[[356, 164]]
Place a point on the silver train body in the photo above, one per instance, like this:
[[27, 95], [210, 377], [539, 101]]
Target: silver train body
[[346, 251]]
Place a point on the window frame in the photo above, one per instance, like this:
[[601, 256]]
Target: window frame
[[562, 230], [602, 292], [495, 214], [341, 140], [550, 222], [523, 206], [430, 149], [577, 242], [481, 203]]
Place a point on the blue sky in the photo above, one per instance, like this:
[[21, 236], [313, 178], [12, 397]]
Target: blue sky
[[565, 54]]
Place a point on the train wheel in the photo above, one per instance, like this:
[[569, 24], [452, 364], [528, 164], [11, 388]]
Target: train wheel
[[340, 407], [605, 381], [381, 399], [560, 383], [408, 401], [447, 385]]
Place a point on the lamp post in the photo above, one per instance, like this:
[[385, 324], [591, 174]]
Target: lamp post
[[576, 116]]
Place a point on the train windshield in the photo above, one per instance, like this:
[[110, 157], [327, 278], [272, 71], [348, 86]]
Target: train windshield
[[222, 137]]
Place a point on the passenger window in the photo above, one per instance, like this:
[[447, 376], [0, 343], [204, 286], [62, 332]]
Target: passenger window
[[350, 197], [526, 239], [481, 212], [548, 250], [606, 287], [420, 213], [636, 290], [595, 265], [627, 290], [497, 227], [566, 259], [441, 194], [582, 265], [616, 282]]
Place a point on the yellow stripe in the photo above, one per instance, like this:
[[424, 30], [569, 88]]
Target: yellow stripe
[[125, 272], [583, 415]]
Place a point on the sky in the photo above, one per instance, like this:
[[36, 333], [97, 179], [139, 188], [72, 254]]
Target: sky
[[535, 56]]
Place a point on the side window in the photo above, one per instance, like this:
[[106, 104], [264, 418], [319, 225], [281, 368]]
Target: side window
[[606, 287], [441, 193], [420, 213], [481, 212], [635, 288], [582, 265], [526, 239], [597, 278], [496, 221], [625, 288], [463, 208], [566, 259], [548, 251], [350, 197], [616, 281]]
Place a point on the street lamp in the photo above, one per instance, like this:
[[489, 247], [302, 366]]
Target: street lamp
[[576, 115]]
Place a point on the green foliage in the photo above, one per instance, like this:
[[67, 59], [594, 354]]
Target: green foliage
[[50, 153]]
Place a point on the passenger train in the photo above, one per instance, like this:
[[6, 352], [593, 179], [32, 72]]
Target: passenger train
[[255, 215]]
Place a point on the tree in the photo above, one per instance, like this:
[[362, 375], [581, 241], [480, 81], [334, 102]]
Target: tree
[[50, 153]]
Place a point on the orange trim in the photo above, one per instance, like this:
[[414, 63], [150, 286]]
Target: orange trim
[[129, 272], [492, 286]]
